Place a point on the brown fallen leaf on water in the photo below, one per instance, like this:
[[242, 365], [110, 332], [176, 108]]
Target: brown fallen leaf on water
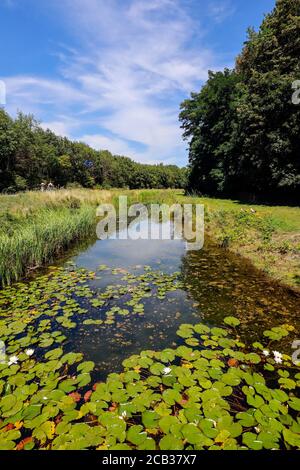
[[233, 362], [23, 443], [184, 399], [153, 432], [9, 427], [95, 386], [91, 419], [87, 395], [75, 396], [183, 402], [58, 419], [113, 407]]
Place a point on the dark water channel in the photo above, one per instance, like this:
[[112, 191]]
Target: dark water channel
[[216, 284]]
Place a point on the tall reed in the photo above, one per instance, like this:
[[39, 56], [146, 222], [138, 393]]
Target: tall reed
[[38, 241], [35, 227]]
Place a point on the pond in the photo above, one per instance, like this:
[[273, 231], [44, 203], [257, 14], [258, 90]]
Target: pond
[[156, 313], [213, 283]]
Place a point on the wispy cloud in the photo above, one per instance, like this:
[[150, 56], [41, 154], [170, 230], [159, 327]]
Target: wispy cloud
[[220, 10], [115, 145], [135, 62]]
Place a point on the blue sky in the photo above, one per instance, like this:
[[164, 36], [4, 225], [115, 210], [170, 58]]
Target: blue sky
[[112, 73]]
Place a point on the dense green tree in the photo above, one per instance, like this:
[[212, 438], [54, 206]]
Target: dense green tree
[[7, 150], [30, 155], [208, 121], [243, 129]]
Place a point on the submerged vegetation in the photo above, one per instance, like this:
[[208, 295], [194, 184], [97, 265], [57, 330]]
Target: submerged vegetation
[[210, 391]]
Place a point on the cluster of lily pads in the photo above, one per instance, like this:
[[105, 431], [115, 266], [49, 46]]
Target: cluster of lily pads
[[216, 395], [34, 313], [131, 291], [210, 392]]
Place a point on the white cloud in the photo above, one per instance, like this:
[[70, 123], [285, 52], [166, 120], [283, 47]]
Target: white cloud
[[113, 144], [61, 128], [221, 10], [137, 60], [35, 93], [144, 65]]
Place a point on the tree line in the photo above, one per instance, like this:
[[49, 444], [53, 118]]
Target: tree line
[[30, 155], [243, 127]]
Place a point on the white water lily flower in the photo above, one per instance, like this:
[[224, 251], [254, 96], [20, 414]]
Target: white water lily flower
[[29, 352], [277, 357], [266, 353], [124, 414], [278, 360], [13, 360], [167, 370]]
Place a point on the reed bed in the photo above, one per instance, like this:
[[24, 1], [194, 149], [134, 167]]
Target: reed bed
[[37, 242], [35, 227]]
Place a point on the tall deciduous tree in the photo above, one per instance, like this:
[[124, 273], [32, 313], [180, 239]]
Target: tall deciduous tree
[[243, 128]]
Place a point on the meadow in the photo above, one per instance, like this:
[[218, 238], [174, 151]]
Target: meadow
[[37, 227]]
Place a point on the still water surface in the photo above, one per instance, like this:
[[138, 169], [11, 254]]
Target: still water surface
[[216, 284]]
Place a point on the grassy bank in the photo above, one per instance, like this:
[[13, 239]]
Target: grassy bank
[[36, 226], [269, 236]]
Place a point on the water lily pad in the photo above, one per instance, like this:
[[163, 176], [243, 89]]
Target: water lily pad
[[136, 435], [150, 419], [252, 441], [232, 321], [170, 442]]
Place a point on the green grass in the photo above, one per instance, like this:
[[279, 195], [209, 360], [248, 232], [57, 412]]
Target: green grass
[[38, 241], [35, 227], [269, 236]]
